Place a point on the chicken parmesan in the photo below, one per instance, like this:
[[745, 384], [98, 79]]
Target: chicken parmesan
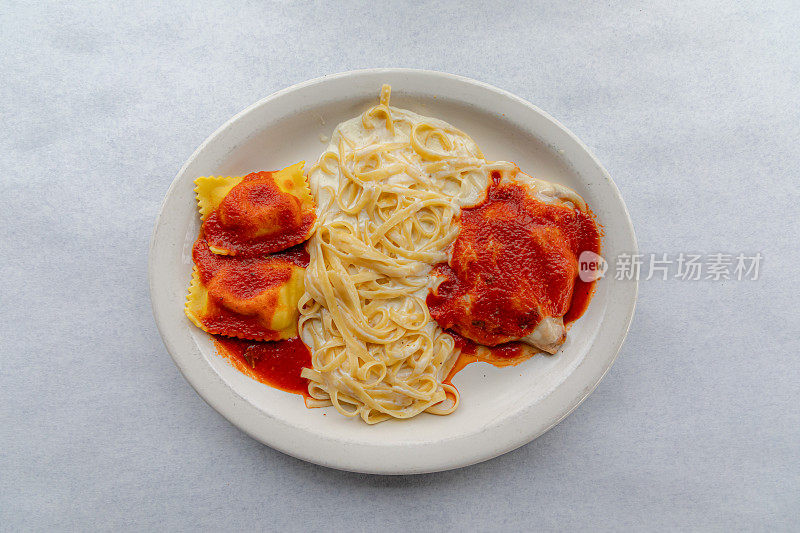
[[513, 269]]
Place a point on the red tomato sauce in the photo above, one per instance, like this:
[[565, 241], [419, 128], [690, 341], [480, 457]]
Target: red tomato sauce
[[208, 263], [515, 260], [251, 206], [507, 354], [274, 363]]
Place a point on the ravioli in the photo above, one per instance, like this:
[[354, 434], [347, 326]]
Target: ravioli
[[253, 298], [258, 214]]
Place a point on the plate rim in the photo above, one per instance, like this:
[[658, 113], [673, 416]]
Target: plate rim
[[233, 413]]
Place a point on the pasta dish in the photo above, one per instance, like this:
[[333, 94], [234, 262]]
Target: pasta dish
[[397, 258]]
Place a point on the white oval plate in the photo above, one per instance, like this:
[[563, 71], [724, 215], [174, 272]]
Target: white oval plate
[[500, 409]]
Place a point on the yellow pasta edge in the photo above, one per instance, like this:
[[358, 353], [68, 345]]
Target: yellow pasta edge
[[210, 190], [196, 300], [292, 180]]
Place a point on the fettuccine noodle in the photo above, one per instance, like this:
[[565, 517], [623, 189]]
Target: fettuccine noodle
[[388, 189]]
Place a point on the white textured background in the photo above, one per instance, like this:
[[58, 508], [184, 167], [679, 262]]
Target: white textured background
[[694, 109]]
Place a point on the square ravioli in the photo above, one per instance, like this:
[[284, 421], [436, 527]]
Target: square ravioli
[[253, 298], [257, 214]]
